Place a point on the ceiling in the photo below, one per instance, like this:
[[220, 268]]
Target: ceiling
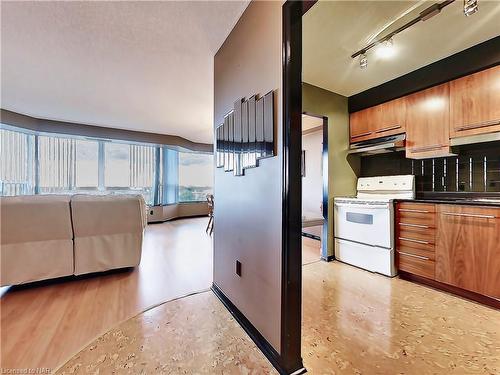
[[311, 122], [333, 31], [137, 65]]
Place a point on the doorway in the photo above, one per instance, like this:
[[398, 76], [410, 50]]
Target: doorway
[[314, 172]]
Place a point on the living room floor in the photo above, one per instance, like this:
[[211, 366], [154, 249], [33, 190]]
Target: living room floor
[[44, 324]]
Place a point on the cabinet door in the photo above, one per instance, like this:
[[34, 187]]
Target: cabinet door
[[361, 124], [468, 248], [427, 123], [390, 118], [475, 103]]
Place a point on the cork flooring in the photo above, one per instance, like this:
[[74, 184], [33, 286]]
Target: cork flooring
[[354, 322]]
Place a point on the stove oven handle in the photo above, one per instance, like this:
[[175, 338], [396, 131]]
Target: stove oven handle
[[362, 205]]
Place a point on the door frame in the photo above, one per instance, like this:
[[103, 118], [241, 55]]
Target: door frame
[[324, 175], [291, 275]]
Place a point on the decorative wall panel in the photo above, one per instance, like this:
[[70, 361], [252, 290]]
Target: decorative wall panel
[[247, 134]]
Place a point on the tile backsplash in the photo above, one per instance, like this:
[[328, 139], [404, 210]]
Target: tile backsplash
[[475, 169]]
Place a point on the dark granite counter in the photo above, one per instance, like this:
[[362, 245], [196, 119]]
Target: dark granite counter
[[487, 202]]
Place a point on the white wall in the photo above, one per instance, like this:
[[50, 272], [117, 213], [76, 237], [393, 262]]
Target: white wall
[[312, 183]]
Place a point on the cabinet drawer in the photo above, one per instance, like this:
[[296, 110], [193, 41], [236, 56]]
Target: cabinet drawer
[[418, 235], [415, 264], [412, 245], [422, 251], [418, 207]]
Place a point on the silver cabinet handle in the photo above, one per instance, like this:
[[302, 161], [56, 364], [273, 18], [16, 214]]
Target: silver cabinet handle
[[413, 255], [388, 128], [414, 225], [470, 215], [415, 211], [416, 241], [361, 135], [426, 148], [478, 125]]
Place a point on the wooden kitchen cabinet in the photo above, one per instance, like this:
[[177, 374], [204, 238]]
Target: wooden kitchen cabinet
[[361, 124], [379, 121], [475, 103], [415, 238], [427, 123], [468, 248]]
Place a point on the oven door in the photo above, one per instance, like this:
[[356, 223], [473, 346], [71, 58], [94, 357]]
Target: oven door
[[366, 223]]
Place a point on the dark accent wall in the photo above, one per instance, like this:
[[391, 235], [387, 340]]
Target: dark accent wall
[[70, 128], [476, 169], [471, 60]]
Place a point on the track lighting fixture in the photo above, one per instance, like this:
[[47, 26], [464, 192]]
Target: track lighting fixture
[[386, 49], [363, 61], [470, 7], [384, 44]]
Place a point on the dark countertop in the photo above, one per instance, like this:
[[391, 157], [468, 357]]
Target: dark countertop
[[461, 201]]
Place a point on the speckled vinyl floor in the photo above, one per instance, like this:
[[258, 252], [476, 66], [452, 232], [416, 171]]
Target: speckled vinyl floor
[[354, 322], [192, 335]]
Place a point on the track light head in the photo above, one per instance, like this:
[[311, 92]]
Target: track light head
[[363, 61], [470, 7]]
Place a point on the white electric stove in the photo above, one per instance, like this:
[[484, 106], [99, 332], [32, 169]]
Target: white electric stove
[[364, 225]]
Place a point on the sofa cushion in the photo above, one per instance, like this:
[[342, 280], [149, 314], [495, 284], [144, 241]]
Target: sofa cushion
[[36, 238]]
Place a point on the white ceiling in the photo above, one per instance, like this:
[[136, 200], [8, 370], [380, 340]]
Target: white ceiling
[[311, 122], [144, 66], [333, 31]]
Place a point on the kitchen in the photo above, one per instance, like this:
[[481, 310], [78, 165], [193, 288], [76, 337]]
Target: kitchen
[[415, 191]]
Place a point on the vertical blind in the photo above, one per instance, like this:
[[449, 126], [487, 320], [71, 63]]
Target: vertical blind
[[16, 163], [46, 164]]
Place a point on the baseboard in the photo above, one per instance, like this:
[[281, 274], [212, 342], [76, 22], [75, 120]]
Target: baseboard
[[177, 218], [266, 348], [313, 236], [485, 300]]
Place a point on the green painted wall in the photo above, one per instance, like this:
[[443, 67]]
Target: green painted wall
[[342, 173]]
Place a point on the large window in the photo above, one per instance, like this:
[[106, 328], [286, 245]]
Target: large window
[[87, 164], [32, 163], [16, 163], [195, 176]]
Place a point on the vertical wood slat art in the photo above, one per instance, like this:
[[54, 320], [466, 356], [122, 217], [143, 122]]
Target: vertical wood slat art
[[247, 134]]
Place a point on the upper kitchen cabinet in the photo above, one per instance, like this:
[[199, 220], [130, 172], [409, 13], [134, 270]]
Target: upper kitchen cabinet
[[475, 103], [427, 123], [378, 121]]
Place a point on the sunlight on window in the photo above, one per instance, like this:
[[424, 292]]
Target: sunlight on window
[[195, 176]]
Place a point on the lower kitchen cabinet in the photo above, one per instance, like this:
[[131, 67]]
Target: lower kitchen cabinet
[[468, 248], [456, 245]]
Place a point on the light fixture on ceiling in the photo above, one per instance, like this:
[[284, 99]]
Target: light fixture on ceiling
[[386, 49], [470, 7], [363, 61]]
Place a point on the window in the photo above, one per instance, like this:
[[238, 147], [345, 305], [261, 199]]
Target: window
[[87, 164], [116, 165], [33, 163], [195, 176], [56, 164], [16, 163]]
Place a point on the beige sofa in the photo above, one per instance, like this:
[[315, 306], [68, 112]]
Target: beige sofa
[[49, 236]]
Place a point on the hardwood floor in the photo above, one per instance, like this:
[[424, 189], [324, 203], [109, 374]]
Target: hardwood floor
[[43, 325]]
